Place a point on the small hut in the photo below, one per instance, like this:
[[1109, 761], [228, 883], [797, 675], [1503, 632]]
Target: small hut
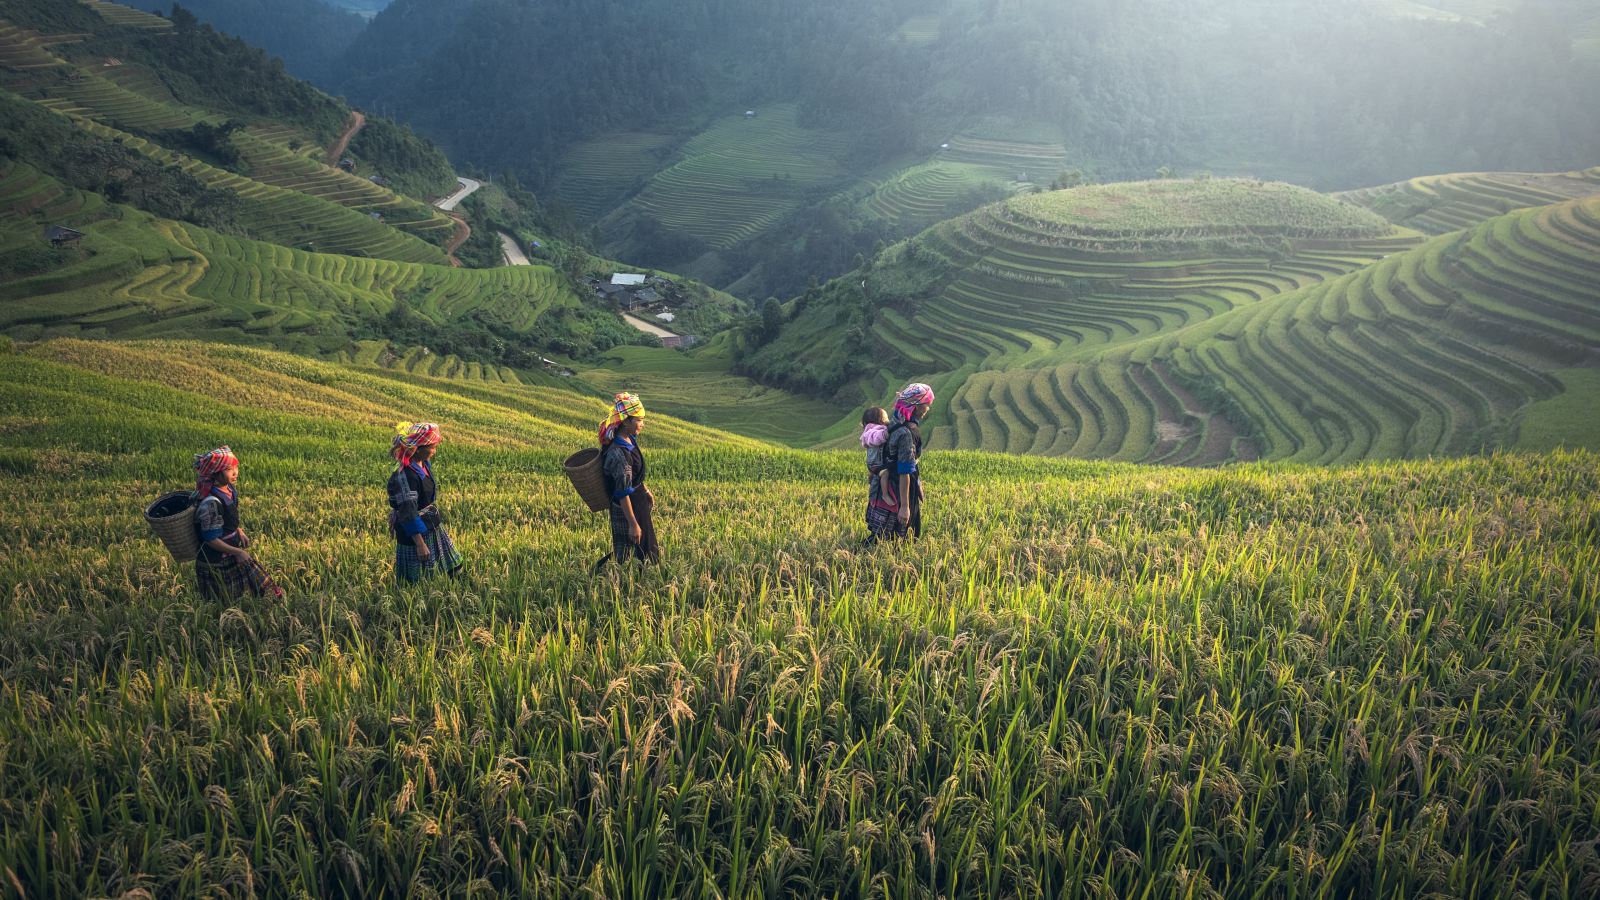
[[60, 236]]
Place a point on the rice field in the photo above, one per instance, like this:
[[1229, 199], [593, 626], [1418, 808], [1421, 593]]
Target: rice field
[[919, 196], [1439, 204], [314, 206], [740, 176], [1087, 679], [1439, 350], [1033, 162], [140, 277], [127, 16], [1015, 294], [1078, 324], [597, 175]]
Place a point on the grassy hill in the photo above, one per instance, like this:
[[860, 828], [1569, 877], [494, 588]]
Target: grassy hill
[[1437, 350], [1031, 279], [1200, 322], [136, 275], [729, 182], [1437, 204], [1087, 678]]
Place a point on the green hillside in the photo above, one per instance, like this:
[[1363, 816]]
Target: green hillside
[[133, 72], [1087, 678], [1438, 350], [736, 178], [1030, 280], [1437, 204], [135, 275]]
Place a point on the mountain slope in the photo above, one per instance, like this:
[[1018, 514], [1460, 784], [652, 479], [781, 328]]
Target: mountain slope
[[1062, 275], [1438, 350]]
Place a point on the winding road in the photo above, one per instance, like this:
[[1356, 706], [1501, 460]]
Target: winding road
[[513, 251], [468, 186]]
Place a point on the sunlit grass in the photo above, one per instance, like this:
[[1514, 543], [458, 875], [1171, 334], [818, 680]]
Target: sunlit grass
[[1088, 679]]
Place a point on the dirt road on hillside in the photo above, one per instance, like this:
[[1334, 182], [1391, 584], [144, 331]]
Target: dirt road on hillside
[[463, 230], [336, 152]]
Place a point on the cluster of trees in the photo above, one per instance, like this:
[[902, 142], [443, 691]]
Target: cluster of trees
[[413, 165], [310, 36]]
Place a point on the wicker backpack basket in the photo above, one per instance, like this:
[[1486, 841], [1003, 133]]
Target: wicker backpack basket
[[583, 469], [171, 518]]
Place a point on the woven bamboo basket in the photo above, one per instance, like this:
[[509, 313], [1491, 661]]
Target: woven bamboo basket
[[583, 469], [171, 517]]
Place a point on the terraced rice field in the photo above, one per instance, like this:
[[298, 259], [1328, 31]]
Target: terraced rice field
[[24, 52], [1018, 161], [740, 176], [127, 16], [1433, 351], [151, 278], [110, 98], [1085, 680], [922, 195], [597, 175], [919, 30], [1438, 204], [1018, 293], [288, 217], [28, 195], [421, 361]]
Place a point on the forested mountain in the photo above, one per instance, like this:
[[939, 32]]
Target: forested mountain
[[1323, 93], [607, 106]]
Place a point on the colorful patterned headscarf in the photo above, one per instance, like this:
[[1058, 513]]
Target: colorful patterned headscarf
[[207, 465], [624, 406], [410, 437], [913, 396]]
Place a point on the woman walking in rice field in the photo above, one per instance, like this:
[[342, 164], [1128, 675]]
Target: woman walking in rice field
[[223, 568], [633, 532], [902, 455], [422, 543]]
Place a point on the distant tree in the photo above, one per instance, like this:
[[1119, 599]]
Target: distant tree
[[182, 19], [1069, 178], [771, 319]]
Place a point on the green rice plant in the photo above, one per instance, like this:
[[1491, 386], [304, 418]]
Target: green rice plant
[[1086, 679]]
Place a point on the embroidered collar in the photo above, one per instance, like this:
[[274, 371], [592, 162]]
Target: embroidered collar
[[225, 494], [619, 439], [421, 468]]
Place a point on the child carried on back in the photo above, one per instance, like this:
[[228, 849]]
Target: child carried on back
[[881, 509]]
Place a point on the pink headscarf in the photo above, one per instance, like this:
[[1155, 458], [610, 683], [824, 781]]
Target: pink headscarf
[[207, 465], [912, 397], [409, 438]]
